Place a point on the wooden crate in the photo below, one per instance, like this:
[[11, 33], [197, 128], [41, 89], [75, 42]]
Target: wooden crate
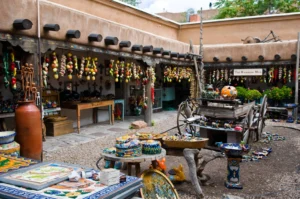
[[59, 127]]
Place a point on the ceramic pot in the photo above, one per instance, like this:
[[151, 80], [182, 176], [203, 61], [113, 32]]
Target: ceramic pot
[[29, 130]]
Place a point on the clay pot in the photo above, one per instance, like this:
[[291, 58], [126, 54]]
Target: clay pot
[[29, 130]]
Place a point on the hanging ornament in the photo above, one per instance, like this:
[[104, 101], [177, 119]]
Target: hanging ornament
[[128, 73], [69, 66], [175, 74], [134, 71], [116, 71], [13, 71], [94, 69], [284, 75], [111, 68], [188, 74], [226, 75], [145, 99], [45, 70], [218, 75], [122, 69], [214, 76], [151, 73], [87, 68], [290, 75], [63, 65], [271, 74], [280, 73], [167, 74], [75, 61], [55, 65], [80, 73], [222, 75], [140, 71]]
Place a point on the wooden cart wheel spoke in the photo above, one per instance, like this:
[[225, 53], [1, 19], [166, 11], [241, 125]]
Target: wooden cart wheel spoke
[[182, 116]]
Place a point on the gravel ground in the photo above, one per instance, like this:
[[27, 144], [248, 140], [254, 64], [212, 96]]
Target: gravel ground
[[277, 176]]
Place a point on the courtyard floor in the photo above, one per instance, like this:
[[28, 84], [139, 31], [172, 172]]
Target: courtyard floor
[[277, 176]]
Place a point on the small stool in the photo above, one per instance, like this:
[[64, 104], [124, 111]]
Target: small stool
[[119, 101]]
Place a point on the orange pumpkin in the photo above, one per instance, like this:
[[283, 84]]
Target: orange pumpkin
[[229, 92]]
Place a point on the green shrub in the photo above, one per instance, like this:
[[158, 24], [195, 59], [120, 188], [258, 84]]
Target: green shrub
[[253, 94], [241, 92], [277, 94], [268, 93], [287, 92]]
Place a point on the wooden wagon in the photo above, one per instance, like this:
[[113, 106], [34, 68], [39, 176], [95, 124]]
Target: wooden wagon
[[191, 115]]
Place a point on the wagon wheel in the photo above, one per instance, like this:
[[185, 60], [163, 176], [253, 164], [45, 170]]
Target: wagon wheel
[[185, 111], [261, 118], [248, 130]]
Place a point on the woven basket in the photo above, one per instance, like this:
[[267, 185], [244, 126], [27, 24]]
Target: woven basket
[[56, 118], [155, 136], [198, 144]]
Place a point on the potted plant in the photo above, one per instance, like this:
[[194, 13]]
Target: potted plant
[[277, 95], [241, 93], [253, 95], [287, 93]]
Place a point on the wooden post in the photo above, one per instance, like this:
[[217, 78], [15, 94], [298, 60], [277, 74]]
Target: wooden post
[[196, 69], [148, 111], [297, 78]]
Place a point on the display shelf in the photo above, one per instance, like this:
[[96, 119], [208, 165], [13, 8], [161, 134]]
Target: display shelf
[[49, 110], [6, 115], [216, 129]]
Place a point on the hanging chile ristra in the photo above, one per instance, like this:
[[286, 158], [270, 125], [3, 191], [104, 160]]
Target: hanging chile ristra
[[13, 70], [81, 70], [55, 65], [128, 73], [45, 70], [69, 66], [87, 68], [122, 64], [94, 68]]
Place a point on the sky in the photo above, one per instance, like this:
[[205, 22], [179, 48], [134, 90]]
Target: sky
[[157, 6]]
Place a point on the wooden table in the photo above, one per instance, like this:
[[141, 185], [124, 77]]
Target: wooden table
[[136, 161], [91, 105]]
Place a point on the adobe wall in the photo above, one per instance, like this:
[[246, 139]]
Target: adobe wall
[[232, 30], [251, 51], [124, 15]]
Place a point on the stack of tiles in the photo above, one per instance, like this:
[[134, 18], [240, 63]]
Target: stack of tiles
[[110, 177], [128, 146]]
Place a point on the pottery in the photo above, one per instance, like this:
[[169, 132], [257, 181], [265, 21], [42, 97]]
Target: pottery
[[7, 137], [229, 92], [29, 130]]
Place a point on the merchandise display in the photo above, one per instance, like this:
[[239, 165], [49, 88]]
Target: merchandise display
[[128, 146], [151, 147]]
